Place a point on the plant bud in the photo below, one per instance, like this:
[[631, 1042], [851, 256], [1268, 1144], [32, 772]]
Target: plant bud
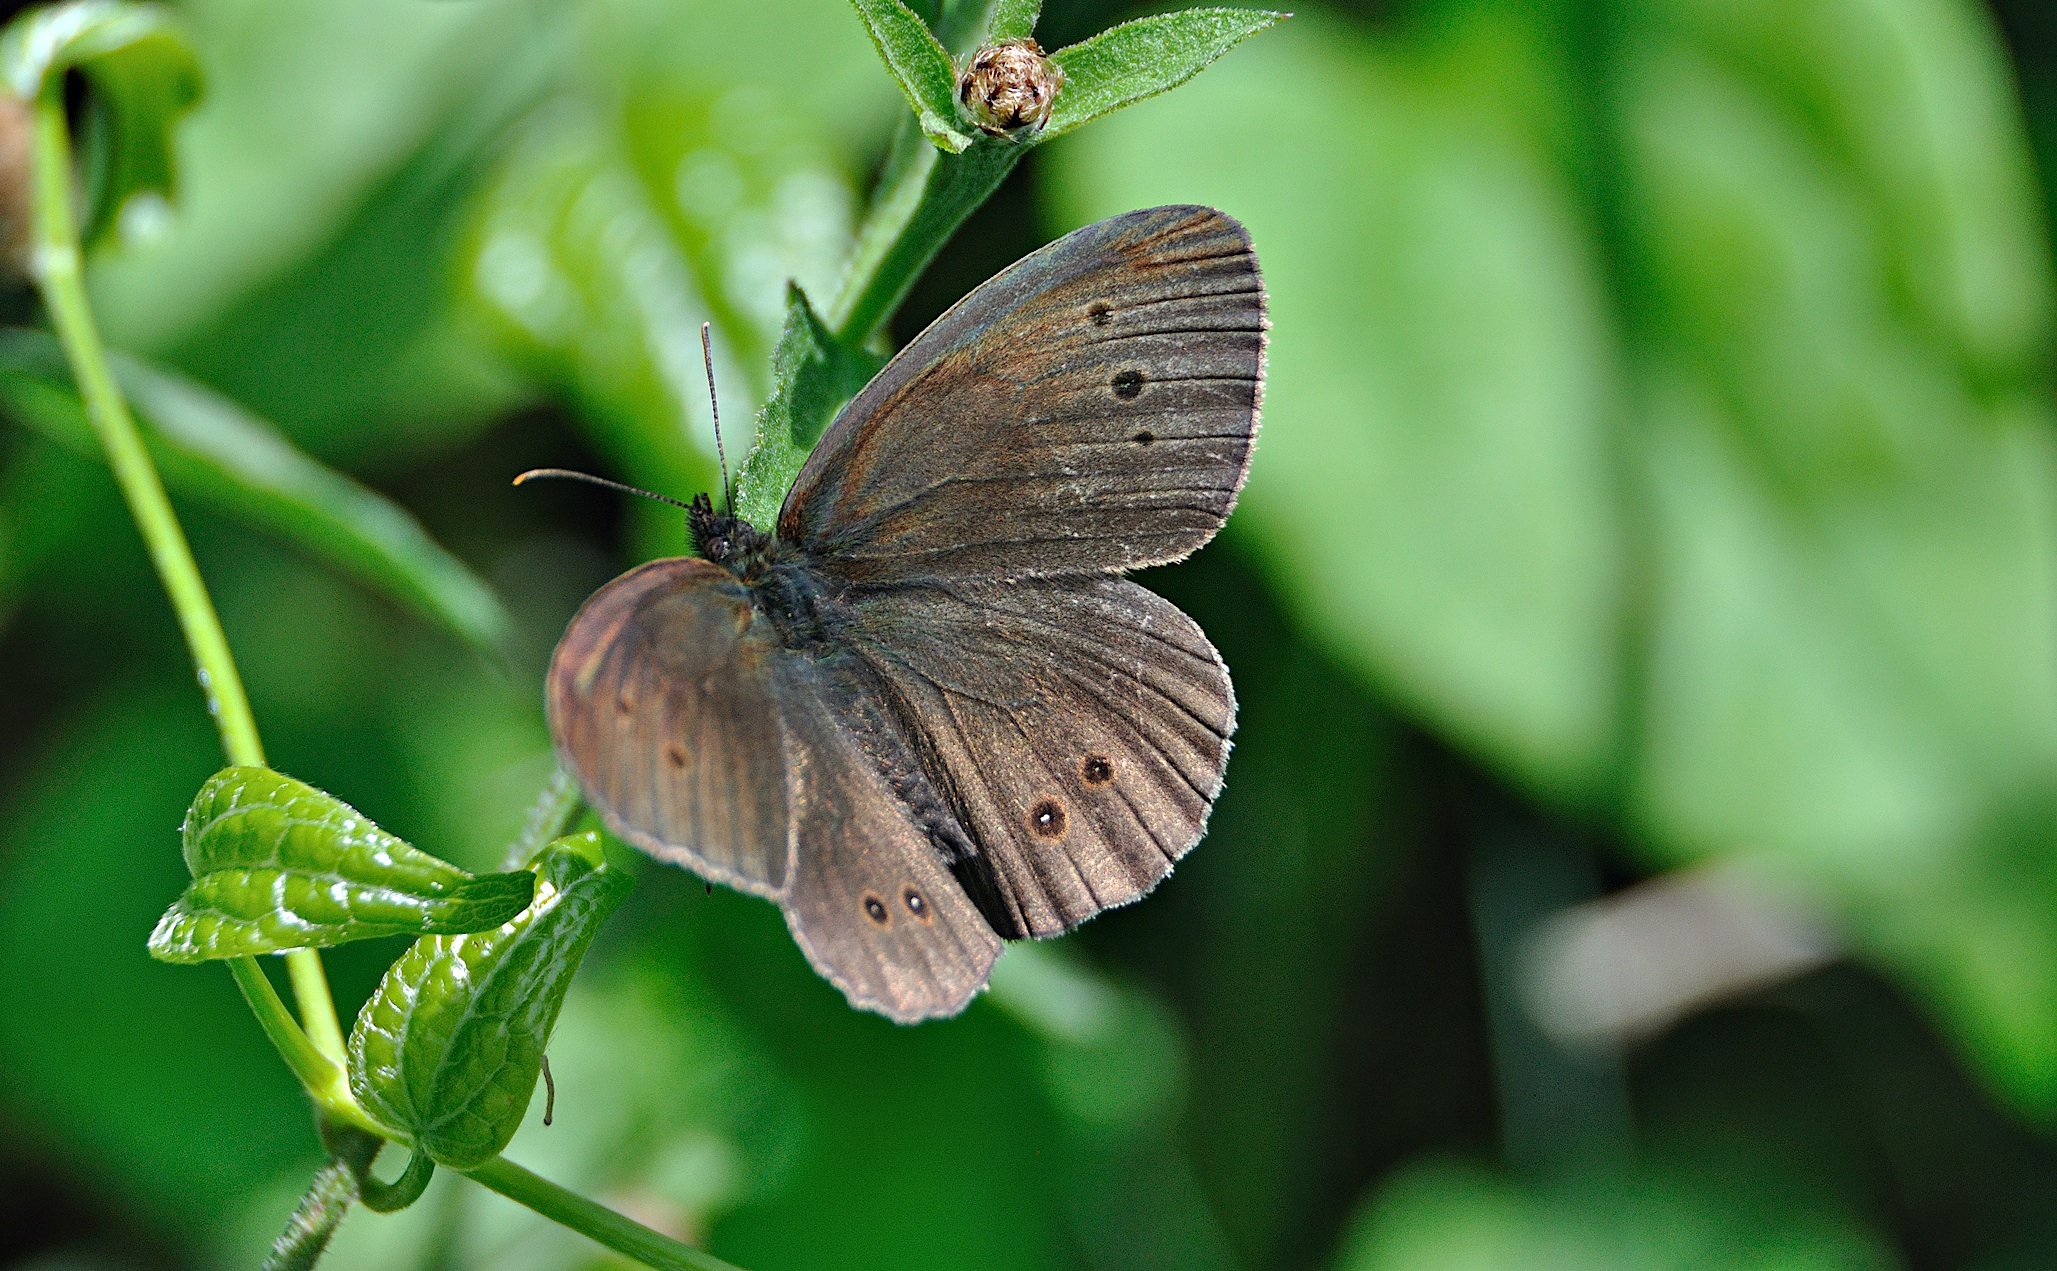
[[1007, 88]]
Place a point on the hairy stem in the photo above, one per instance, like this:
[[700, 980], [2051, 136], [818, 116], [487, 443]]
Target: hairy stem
[[314, 1220], [59, 272]]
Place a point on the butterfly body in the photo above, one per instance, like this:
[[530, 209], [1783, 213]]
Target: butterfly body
[[925, 712]]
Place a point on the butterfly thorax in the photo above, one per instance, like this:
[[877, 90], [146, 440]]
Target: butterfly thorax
[[781, 584]]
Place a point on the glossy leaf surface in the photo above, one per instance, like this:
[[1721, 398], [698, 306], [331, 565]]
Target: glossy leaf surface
[[280, 865], [449, 1049]]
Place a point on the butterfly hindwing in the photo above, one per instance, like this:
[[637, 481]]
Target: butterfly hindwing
[[871, 903], [1089, 409], [1079, 726], [661, 701]]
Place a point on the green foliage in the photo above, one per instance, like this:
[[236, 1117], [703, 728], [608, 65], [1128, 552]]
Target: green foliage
[[279, 865], [601, 243], [93, 816], [581, 275], [813, 374], [1442, 1218], [1014, 19], [212, 450], [1740, 535], [144, 78], [448, 1050], [1658, 417], [1112, 69], [1438, 378], [921, 65], [1144, 58]]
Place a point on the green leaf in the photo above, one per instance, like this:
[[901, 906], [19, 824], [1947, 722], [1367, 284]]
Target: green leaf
[[278, 865], [449, 1048], [923, 67], [1139, 59], [144, 77], [209, 448], [1015, 19], [813, 374]]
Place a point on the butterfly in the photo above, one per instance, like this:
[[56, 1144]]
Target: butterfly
[[924, 711]]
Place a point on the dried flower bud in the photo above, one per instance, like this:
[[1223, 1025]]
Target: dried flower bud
[[1008, 87]]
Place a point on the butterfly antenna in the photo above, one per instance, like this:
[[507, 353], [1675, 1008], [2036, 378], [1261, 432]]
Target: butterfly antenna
[[566, 474], [728, 492]]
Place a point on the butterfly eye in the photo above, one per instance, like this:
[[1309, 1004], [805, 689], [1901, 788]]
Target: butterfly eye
[[916, 905], [1098, 770], [1127, 385], [1100, 312], [1047, 819], [1144, 437], [675, 754], [875, 909]]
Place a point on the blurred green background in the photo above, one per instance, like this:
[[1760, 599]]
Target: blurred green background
[[1645, 596]]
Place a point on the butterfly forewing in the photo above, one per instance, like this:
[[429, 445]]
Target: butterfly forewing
[[871, 903], [1090, 409], [661, 702], [1080, 727]]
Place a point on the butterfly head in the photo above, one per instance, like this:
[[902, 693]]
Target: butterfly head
[[726, 539]]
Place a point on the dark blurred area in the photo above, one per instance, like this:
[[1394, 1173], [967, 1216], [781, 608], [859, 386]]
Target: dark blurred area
[[1640, 846]]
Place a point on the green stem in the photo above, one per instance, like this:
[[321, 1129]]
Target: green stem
[[923, 197], [317, 1008], [324, 1079], [594, 1221], [60, 276], [391, 1198]]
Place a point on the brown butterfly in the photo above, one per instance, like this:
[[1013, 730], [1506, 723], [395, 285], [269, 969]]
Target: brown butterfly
[[926, 712]]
